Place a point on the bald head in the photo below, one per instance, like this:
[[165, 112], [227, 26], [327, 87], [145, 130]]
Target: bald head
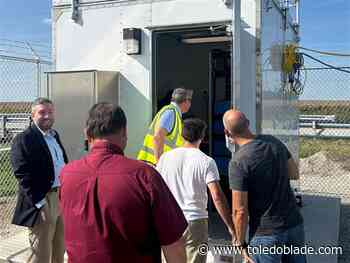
[[235, 122]]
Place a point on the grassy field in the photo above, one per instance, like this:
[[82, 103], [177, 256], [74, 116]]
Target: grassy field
[[341, 109], [338, 149], [15, 107], [8, 183]]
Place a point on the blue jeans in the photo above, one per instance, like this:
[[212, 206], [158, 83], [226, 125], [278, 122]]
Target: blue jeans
[[292, 237]]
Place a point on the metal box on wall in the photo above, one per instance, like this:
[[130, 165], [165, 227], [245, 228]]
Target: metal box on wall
[[73, 93]]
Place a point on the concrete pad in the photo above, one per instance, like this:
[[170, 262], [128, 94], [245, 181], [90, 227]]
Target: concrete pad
[[16, 248], [321, 221]]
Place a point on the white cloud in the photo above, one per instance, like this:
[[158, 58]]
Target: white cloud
[[47, 21]]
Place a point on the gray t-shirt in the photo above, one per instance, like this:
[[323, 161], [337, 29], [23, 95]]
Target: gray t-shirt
[[260, 168]]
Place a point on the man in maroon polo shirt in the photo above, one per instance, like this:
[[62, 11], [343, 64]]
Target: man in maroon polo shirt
[[116, 209]]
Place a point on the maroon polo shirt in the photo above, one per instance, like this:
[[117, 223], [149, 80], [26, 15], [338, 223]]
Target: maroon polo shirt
[[116, 209]]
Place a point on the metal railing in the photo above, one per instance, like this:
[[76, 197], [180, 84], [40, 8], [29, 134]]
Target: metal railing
[[323, 126], [12, 124], [317, 118]]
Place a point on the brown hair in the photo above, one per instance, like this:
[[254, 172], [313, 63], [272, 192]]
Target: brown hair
[[105, 119], [193, 130]]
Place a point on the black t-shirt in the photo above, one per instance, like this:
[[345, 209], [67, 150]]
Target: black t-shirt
[[260, 168]]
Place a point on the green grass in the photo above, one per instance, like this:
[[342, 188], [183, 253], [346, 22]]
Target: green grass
[[15, 107], [337, 149], [8, 183], [341, 109]]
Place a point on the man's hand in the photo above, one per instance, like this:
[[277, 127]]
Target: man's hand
[[246, 257], [244, 252], [44, 213]]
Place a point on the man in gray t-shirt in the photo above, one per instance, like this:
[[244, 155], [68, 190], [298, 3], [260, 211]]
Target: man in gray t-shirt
[[259, 178]]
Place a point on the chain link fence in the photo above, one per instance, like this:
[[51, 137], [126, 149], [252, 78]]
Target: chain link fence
[[21, 81], [324, 109]]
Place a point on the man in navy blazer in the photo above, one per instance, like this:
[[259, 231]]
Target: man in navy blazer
[[37, 157]]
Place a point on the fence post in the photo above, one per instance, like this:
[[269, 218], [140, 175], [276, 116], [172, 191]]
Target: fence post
[[3, 126], [29, 121], [38, 78]]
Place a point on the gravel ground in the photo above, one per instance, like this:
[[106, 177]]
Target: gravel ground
[[7, 205], [323, 175]]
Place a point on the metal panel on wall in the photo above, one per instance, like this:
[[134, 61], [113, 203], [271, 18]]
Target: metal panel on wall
[[73, 94]]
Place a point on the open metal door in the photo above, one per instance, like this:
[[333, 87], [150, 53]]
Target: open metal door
[[236, 52], [219, 101]]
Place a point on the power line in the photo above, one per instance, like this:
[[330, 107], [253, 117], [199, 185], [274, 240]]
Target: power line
[[20, 48], [326, 64], [25, 55], [328, 53], [34, 43], [40, 45], [12, 45]]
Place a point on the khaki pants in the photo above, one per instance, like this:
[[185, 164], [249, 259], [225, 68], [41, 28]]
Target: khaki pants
[[46, 237], [195, 235]]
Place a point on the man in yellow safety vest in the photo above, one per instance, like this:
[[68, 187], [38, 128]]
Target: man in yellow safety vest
[[165, 131]]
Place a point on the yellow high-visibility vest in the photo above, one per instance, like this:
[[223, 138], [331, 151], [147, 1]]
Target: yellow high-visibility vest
[[172, 140]]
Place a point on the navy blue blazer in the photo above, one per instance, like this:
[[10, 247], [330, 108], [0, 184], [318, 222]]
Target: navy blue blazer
[[34, 169]]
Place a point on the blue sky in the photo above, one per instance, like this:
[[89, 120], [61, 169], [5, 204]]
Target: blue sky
[[325, 25], [25, 20]]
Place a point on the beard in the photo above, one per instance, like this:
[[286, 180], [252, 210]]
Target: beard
[[45, 125]]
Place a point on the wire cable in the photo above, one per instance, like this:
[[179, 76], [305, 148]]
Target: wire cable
[[33, 43], [325, 64], [14, 46], [328, 53]]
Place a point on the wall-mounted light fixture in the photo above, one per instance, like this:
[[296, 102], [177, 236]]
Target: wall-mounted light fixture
[[228, 2], [75, 11], [132, 41]]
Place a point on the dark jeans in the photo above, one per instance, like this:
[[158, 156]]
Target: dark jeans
[[293, 237]]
